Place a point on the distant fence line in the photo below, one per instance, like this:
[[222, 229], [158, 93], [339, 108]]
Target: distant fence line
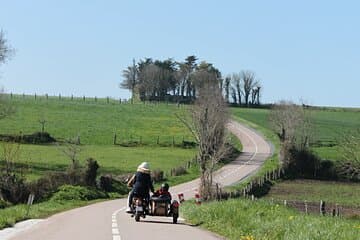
[[70, 98], [94, 99], [132, 140], [248, 192]]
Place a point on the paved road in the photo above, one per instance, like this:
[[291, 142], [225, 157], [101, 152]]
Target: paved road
[[108, 221]]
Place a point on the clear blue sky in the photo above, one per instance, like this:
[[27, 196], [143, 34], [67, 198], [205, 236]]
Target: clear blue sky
[[307, 50]]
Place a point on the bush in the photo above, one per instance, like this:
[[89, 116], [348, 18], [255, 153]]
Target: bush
[[178, 171], [79, 193], [157, 175], [44, 187], [303, 163], [109, 184], [91, 172], [349, 170], [4, 204], [13, 188], [35, 138], [106, 183]]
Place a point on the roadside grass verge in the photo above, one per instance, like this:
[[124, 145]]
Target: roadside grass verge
[[245, 219], [345, 194], [67, 197]]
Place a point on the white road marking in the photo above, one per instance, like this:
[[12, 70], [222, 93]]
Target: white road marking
[[116, 237], [114, 225]]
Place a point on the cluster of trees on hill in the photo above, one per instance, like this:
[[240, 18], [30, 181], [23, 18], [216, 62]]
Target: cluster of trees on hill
[[169, 80]]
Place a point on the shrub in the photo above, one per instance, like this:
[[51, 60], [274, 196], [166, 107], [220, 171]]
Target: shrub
[[303, 163], [178, 171], [13, 188], [4, 204], [106, 183], [91, 172], [44, 187], [109, 184], [35, 138], [157, 175], [79, 193]]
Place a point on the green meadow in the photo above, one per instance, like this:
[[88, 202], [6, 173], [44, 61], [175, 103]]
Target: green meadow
[[330, 125], [249, 220], [154, 128]]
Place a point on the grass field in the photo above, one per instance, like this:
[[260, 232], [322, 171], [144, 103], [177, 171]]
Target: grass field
[[154, 125], [244, 219], [329, 125], [345, 194], [96, 122]]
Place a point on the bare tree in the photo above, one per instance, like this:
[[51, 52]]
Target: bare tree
[[130, 75], [249, 81], [236, 79], [350, 149], [71, 150], [5, 49], [208, 118], [5, 52], [293, 126], [227, 88]]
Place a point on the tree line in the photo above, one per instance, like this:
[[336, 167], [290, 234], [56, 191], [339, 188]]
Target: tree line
[[174, 81]]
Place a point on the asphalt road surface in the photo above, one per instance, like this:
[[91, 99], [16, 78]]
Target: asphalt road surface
[[108, 220]]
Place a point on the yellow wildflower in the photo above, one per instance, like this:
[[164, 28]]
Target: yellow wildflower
[[249, 237], [291, 217]]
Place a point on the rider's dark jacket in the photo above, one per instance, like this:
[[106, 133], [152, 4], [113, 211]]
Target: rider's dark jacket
[[142, 184]]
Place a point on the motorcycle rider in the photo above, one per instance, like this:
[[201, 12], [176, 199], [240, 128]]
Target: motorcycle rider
[[141, 183], [163, 192]]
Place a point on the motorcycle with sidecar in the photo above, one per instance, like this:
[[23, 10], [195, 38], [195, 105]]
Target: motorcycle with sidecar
[[155, 206]]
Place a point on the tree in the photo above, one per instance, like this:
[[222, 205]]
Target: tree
[[293, 125], [227, 88], [130, 81], [5, 49], [208, 118], [350, 149], [236, 81], [5, 52], [249, 81]]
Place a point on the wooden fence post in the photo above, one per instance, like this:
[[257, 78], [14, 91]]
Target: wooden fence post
[[35, 96], [107, 100], [306, 207], [114, 142], [46, 96], [285, 203], [322, 207], [95, 99], [84, 98]]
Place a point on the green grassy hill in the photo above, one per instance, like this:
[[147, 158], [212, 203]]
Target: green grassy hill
[[155, 126], [329, 125]]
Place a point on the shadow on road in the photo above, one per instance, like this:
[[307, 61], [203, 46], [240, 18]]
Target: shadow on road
[[179, 223]]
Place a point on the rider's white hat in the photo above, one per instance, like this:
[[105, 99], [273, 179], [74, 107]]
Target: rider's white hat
[[144, 167]]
